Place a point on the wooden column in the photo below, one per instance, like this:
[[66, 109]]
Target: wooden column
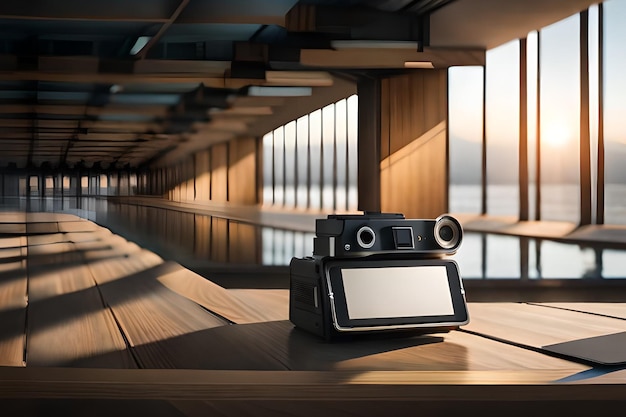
[[369, 144], [523, 131], [600, 189]]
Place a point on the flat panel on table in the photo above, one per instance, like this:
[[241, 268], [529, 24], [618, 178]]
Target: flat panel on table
[[537, 326], [609, 349]]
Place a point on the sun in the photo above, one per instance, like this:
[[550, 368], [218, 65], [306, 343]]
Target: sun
[[557, 135]]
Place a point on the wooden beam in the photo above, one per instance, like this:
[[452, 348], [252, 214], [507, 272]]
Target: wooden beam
[[156, 38], [523, 131]]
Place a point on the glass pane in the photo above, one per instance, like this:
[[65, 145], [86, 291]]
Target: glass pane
[[614, 111], [315, 140], [279, 167], [302, 138], [353, 160], [465, 103], [503, 129], [268, 169], [560, 121], [328, 161], [341, 153], [290, 164]]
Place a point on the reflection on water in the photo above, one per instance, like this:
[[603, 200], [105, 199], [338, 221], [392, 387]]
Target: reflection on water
[[191, 238], [489, 256]]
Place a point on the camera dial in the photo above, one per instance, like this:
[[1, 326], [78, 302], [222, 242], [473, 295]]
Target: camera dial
[[365, 237]]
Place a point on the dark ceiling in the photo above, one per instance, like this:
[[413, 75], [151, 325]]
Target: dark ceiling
[[133, 82]]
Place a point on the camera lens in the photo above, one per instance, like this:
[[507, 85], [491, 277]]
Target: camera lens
[[447, 233], [365, 237]]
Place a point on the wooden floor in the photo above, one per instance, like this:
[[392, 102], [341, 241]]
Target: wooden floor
[[91, 324]]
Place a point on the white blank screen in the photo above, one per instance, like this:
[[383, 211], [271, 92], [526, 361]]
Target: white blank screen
[[397, 292]]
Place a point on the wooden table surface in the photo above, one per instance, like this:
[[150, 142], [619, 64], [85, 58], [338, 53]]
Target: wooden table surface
[[90, 322]]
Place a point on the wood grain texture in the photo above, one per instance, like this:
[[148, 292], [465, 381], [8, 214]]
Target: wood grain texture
[[242, 171], [536, 326], [147, 311], [454, 351], [273, 303], [13, 229], [176, 385], [617, 310], [68, 324], [240, 307], [13, 302]]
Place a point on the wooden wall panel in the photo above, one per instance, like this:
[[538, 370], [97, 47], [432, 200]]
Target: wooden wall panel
[[219, 172], [202, 236], [414, 144], [242, 171], [203, 176], [243, 243], [417, 103], [384, 117], [188, 179], [413, 180]]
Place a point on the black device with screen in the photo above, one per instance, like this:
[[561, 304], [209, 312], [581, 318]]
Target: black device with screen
[[395, 294], [333, 296], [379, 272]]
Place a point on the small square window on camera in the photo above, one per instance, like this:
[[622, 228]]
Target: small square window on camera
[[403, 237]]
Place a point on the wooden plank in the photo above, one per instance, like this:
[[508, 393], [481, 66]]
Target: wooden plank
[[43, 217], [13, 302], [536, 326], [531, 385], [82, 226], [239, 307], [47, 239], [13, 228], [452, 351], [616, 310], [12, 217], [32, 228], [110, 246], [152, 317], [273, 304], [88, 236], [68, 324], [52, 254], [12, 242]]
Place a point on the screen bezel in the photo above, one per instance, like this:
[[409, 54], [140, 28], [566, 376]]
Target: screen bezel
[[338, 304]]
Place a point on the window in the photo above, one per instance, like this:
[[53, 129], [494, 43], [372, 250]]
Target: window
[[311, 162]]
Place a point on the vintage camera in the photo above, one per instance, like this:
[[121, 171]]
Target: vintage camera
[[379, 272], [347, 236]]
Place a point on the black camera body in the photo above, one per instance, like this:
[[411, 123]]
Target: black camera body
[[379, 272], [347, 236]]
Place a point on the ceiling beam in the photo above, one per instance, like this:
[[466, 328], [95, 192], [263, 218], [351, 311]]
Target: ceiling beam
[[114, 78], [164, 27]]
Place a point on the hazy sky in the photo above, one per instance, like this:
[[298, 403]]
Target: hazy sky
[[560, 94]]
